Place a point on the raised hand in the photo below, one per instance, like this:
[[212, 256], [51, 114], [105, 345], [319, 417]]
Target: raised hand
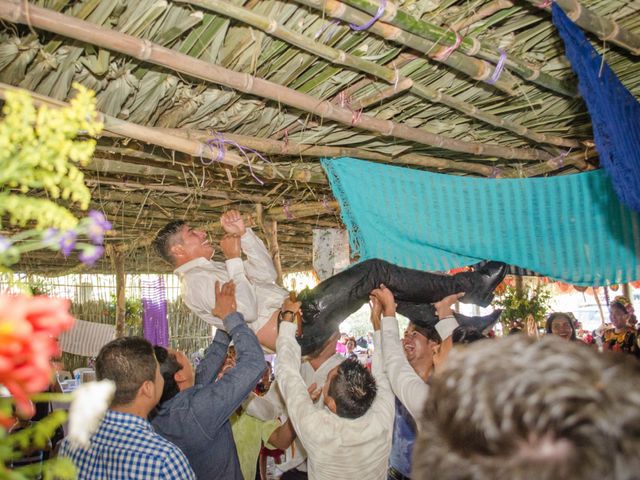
[[376, 311], [443, 307], [386, 299], [230, 246], [233, 223], [225, 299]]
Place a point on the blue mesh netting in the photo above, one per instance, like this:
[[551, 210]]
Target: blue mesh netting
[[572, 228], [615, 112]]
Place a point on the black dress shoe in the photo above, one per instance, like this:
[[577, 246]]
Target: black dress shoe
[[488, 278], [478, 322]]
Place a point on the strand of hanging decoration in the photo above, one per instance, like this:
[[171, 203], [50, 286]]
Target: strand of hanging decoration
[[218, 142], [558, 162], [285, 207], [345, 102], [499, 67], [374, 19], [545, 4], [325, 204], [495, 171], [446, 53]]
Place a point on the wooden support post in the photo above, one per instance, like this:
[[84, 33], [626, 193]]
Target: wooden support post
[[270, 229], [626, 291], [117, 261], [519, 284]]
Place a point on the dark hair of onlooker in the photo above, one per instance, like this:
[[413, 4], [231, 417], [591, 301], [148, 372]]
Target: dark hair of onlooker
[[169, 366], [353, 389], [164, 239], [521, 409], [555, 315], [428, 331], [463, 335], [128, 362]]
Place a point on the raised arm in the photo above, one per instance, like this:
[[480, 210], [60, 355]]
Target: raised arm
[[245, 291], [259, 265], [405, 383], [300, 408], [215, 402]]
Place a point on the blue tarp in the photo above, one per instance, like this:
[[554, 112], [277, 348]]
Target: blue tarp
[[571, 228]]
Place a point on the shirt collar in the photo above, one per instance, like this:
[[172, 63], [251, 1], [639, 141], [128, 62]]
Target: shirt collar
[[127, 419], [191, 264]]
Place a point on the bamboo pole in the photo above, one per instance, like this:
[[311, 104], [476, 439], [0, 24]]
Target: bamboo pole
[[484, 12], [399, 82], [469, 66], [117, 263], [291, 148], [603, 27], [270, 230], [299, 172], [469, 46], [15, 11]]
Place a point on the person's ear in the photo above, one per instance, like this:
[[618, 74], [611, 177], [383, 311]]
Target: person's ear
[[147, 389], [331, 404], [176, 250]]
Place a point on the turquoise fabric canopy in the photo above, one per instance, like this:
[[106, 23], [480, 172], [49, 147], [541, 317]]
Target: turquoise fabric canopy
[[571, 228]]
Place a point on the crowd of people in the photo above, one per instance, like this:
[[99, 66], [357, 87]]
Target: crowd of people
[[443, 402]]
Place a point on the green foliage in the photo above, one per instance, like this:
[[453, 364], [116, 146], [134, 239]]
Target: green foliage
[[132, 316], [518, 305]]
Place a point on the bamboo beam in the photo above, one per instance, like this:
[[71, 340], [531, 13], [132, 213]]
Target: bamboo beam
[[484, 12], [299, 172], [291, 148], [469, 66], [393, 77], [604, 28], [178, 189], [15, 11], [470, 46]]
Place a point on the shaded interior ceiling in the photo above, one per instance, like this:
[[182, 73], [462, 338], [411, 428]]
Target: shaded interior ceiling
[[391, 95]]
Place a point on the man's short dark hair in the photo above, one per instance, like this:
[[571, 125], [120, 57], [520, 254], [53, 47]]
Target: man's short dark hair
[[427, 330], [353, 389], [169, 366], [521, 409], [165, 239], [128, 362]]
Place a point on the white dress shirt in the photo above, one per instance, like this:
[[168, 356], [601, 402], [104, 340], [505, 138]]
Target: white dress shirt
[[336, 447], [257, 294], [410, 389]]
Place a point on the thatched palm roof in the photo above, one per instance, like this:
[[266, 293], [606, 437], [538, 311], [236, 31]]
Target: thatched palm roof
[[179, 80]]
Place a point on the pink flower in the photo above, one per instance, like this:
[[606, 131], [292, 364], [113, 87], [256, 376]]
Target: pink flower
[[28, 330]]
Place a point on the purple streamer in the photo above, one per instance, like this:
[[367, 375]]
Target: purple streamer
[[374, 19], [499, 67], [154, 312], [218, 142]]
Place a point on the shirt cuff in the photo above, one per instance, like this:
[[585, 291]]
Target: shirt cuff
[[248, 237], [234, 266], [446, 326], [289, 328], [233, 320]]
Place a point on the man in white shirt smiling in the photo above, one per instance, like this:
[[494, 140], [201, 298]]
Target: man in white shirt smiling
[[324, 307]]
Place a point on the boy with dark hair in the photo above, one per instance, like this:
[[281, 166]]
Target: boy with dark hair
[[125, 446], [351, 436]]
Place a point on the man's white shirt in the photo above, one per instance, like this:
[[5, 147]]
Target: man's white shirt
[[257, 294], [336, 447]]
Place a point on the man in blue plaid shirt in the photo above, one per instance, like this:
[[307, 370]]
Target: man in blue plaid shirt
[[125, 446]]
